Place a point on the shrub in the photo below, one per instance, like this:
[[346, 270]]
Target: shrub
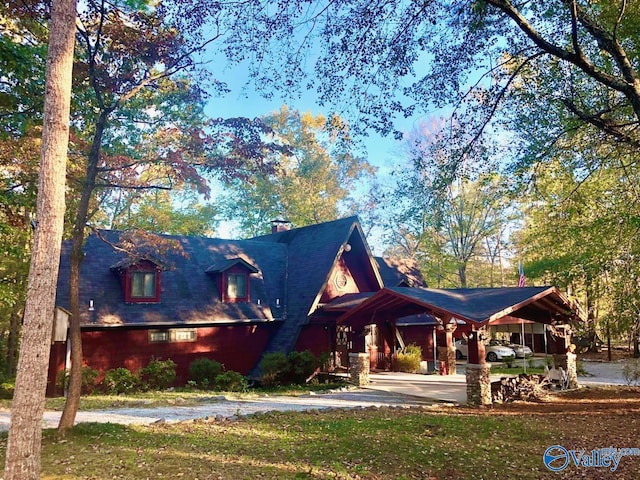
[[204, 371], [280, 369], [158, 374], [6, 389], [231, 382], [508, 360], [89, 376], [120, 380], [408, 360], [324, 361], [274, 368], [301, 366], [631, 372]]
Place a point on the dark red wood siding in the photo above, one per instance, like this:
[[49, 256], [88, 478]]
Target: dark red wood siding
[[57, 356], [420, 335], [316, 338], [237, 347]]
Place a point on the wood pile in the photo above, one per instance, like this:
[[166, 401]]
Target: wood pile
[[529, 388]]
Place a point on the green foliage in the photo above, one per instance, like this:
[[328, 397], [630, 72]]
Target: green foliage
[[120, 380], [89, 376], [631, 372], [447, 222], [301, 366], [508, 360], [280, 369], [408, 360], [231, 381], [204, 371], [274, 368], [158, 374], [313, 184], [6, 389], [324, 361]]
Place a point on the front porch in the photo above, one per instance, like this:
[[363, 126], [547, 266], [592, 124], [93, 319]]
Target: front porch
[[476, 307]]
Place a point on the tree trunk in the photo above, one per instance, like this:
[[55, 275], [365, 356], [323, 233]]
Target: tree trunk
[[608, 340], [25, 435], [636, 339], [77, 241], [462, 275], [12, 341]]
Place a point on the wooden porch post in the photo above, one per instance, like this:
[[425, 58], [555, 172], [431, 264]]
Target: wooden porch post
[[476, 352], [447, 353]]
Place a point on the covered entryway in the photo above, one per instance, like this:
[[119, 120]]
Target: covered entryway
[[475, 306]]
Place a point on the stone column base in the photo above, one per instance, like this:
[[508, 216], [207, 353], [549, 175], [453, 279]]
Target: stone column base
[[478, 384], [359, 369]]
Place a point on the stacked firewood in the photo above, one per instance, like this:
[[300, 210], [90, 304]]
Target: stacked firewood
[[530, 388]]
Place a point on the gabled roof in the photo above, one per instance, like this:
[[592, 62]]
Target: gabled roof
[[127, 262], [290, 270], [225, 264], [478, 306], [400, 272], [313, 252]]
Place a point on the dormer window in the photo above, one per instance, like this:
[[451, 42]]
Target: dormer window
[[140, 280], [232, 279], [237, 287], [143, 285]]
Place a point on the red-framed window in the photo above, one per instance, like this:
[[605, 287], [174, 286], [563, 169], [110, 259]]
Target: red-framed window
[[236, 287], [142, 283]]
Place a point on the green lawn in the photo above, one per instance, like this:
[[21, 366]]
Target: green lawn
[[371, 443], [437, 442]]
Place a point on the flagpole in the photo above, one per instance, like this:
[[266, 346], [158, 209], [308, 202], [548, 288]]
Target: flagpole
[[522, 281]]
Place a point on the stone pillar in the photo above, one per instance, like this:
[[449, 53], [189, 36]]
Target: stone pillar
[[478, 384], [447, 358], [568, 362], [359, 369]]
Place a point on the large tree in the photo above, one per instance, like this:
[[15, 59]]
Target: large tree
[[142, 127], [137, 122], [581, 234], [446, 221], [385, 59], [315, 182], [25, 434], [175, 212]]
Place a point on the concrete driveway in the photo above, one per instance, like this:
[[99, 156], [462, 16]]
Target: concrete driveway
[[453, 388], [445, 388]]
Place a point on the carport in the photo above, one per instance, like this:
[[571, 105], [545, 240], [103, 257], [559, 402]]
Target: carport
[[475, 306]]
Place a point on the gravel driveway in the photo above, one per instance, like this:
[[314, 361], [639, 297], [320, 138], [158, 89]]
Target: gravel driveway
[[220, 407], [598, 373]]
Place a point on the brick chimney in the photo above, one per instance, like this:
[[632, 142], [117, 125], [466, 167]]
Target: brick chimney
[[280, 225]]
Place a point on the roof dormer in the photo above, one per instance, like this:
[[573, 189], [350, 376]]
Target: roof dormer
[[141, 280], [232, 277]]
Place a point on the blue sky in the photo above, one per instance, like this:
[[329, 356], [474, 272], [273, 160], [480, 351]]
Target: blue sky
[[243, 101], [240, 102]]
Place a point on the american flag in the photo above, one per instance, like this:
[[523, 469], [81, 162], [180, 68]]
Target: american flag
[[522, 280]]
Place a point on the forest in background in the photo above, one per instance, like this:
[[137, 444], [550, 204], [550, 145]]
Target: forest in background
[[535, 161]]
